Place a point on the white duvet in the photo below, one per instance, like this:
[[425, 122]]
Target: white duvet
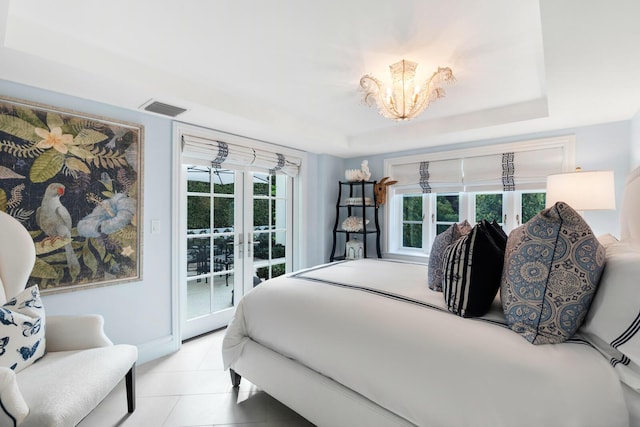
[[375, 327]]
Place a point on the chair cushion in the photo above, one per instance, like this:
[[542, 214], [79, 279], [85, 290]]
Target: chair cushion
[[436, 256], [64, 386], [22, 338], [552, 268], [472, 270]]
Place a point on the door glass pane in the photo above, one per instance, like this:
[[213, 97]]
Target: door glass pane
[[223, 291], [198, 255], [223, 214], [261, 246], [198, 214], [198, 297], [260, 214], [223, 253], [532, 203], [277, 270], [198, 179], [223, 181], [278, 245], [261, 184], [489, 207]]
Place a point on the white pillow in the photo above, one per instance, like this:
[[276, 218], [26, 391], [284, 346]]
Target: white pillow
[[613, 322], [22, 339]]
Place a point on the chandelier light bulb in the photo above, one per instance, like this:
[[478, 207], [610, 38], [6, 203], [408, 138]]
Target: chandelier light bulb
[[403, 99]]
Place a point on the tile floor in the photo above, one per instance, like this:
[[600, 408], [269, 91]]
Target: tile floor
[[190, 388]]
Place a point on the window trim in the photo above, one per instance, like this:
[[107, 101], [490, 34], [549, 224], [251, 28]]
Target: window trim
[[392, 213]]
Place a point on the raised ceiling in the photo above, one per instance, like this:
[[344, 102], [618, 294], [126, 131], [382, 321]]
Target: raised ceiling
[[287, 71]]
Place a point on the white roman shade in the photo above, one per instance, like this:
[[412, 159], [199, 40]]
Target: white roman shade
[[514, 170], [522, 170], [221, 154], [438, 176]]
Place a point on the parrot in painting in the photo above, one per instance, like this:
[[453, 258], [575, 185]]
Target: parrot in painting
[[54, 219]]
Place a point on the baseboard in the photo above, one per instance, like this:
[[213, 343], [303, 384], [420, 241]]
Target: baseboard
[[157, 348]]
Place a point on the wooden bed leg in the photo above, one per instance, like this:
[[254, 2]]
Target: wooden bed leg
[[130, 381], [235, 378]]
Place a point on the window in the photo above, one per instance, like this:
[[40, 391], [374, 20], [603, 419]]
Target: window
[[412, 215], [503, 183], [424, 216], [489, 206], [532, 203], [447, 211]]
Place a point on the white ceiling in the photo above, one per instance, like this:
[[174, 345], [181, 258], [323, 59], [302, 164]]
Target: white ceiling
[[288, 71]]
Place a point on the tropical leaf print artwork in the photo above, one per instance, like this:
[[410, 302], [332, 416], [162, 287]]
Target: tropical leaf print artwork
[[72, 181]]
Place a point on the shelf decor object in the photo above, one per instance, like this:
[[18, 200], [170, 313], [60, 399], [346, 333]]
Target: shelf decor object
[[354, 223], [355, 249]]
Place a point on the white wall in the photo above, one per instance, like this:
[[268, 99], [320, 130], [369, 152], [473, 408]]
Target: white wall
[[137, 312], [598, 147], [635, 141]]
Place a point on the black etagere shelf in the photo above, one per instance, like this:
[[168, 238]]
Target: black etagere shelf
[[361, 190]]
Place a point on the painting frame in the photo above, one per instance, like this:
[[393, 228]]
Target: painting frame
[[75, 181]]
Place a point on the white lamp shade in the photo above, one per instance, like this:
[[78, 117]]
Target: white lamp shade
[[582, 190]]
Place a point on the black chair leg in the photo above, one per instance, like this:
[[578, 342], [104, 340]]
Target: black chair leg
[[130, 380]]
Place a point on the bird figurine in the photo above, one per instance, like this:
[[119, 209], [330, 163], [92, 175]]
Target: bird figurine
[[54, 219]]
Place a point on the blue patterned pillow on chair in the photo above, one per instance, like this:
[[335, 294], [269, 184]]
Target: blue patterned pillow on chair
[[22, 330], [440, 244], [552, 268]]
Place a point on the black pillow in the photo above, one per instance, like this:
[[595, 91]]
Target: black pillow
[[473, 270]]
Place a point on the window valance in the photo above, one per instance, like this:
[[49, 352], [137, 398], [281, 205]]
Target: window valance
[[221, 154]]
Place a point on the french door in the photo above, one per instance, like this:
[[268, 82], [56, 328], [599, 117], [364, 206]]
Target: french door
[[238, 233]]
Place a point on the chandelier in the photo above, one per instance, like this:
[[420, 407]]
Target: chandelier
[[405, 99]]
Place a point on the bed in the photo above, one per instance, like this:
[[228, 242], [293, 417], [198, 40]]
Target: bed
[[366, 343]]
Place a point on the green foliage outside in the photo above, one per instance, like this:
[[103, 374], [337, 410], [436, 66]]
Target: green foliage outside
[[276, 270], [447, 208], [412, 211], [489, 207], [532, 203]]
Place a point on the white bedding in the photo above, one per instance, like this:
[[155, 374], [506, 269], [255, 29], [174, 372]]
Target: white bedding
[[394, 343]]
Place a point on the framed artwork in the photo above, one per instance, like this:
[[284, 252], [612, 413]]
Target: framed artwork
[[75, 182]]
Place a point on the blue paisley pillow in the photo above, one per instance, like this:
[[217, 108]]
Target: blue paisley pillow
[[440, 244], [552, 268], [22, 330]]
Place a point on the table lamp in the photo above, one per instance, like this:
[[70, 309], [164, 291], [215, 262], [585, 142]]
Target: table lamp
[[582, 190]]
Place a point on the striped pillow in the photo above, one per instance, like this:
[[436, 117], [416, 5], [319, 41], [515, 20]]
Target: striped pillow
[[613, 322], [472, 270], [440, 244]]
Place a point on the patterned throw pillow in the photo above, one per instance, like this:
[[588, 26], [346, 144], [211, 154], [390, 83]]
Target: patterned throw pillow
[[552, 268], [22, 330], [472, 270], [440, 244]]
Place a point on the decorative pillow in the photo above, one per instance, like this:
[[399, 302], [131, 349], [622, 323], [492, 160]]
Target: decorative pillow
[[440, 244], [472, 270], [552, 268], [613, 323], [22, 330]]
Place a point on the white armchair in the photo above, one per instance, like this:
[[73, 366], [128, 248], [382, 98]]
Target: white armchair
[[81, 365]]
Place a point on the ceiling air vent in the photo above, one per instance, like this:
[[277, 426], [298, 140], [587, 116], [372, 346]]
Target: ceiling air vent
[[161, 108]]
